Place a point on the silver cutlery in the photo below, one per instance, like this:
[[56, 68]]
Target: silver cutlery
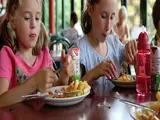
[[53, 94], [117, 96], [137, 105], [34, 96]]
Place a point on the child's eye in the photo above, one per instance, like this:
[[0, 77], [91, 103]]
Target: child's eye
[[37, 19], [112, 17], [26, 18], [103, 16]]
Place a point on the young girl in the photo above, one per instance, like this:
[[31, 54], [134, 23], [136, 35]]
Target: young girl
[[121, 27], [101, 51], [25, 64]]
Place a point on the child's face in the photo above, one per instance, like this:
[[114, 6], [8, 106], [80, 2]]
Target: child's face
[[103, 18], [27, 23], [121, 18]]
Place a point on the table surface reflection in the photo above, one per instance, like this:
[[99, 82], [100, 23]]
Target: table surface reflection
[[86, 110]]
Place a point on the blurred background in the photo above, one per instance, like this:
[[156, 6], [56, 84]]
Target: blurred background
[[56, 14]]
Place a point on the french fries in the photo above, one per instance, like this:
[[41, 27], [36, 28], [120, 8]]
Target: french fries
[[158, 96], [125, 77], [148, 115], [81, 86]]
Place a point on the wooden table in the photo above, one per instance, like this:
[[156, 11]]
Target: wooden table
[[86, 110]]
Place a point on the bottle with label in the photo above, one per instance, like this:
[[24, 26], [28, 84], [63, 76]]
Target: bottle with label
[[155, 69], [143, 65], [75, 53], [158, 82]]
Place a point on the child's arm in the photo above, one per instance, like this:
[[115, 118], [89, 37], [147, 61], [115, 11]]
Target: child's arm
[[105, 68], [89, 76], [9, 97], [86, 76], [41, 81], [130, 51], [67, 69]]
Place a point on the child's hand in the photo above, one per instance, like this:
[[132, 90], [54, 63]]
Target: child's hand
[[105, 68], [130, 51], [68, 64], [44, 79]]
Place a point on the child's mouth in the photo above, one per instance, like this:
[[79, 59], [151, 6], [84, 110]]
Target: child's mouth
[[32, 36], [104, 35]]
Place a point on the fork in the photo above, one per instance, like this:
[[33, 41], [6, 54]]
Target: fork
[[42, 95], [57, 71], [117, 96], [34, 96], [137, 105]]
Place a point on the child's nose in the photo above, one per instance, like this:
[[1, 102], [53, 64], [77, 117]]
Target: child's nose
[[108, 24], [33, 24]]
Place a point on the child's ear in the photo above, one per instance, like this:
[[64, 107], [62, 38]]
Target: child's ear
[[13, 23], [90, 9]]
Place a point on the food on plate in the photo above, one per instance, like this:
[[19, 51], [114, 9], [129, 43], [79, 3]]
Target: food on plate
[[76, 88], [158, 96], [149, 115], [145, 115], [81, 86], [125, 77]]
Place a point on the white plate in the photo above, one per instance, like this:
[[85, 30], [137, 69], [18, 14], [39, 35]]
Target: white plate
[[64, 101], [134, 109], [127, 84]]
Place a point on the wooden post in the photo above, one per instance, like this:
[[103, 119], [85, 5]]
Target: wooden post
[[51, 16]]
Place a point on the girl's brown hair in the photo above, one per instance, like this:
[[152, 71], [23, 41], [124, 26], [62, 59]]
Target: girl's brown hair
[[8, 36], [156, 13], [86, 20]]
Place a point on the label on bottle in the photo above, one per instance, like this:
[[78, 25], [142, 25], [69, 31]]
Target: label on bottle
[[75, 53], [155, 68], [158, 82]]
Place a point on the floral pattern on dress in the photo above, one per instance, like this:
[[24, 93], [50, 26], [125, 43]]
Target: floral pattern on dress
[[20, 76]]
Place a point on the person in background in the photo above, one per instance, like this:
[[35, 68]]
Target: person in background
[[156, 20], [136, 29], [75, 24], [25, 64], [75, 31], [101, 52], [121, 28]]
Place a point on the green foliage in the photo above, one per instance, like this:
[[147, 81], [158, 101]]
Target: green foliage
[[58, 13], [133, 7]]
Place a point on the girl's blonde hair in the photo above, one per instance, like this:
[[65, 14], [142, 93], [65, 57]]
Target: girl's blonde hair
[[123, 12], [8, 36]]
